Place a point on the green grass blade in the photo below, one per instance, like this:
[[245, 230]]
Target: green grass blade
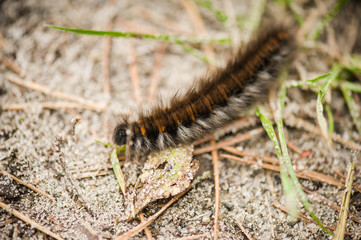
[[288, 189], [295, 11], [352, 107], [330, 118], [321, 119], [196, 53], [290, 183], [105, 144], [355, 64], [311, 83], [221, 16], [116, 166], [319, 78], [353, 86], [161, 37], [287, 160], [335, 71], [326, 19]]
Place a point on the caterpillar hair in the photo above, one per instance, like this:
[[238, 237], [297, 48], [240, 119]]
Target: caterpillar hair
[[214, 101]]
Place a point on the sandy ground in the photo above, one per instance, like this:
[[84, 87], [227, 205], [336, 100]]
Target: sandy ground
[[74, 64]]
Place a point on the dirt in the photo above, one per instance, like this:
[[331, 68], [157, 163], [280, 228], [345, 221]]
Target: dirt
[[93, 207]]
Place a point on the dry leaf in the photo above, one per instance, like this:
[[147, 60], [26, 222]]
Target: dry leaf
[[165, 174]]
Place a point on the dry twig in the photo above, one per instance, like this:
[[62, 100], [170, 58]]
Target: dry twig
[[133, 69], [73, 190], [106, 75], [54, 93], [154, 78], [248, 154], [29, 221], [11, 65], [303, 217], [146, 229], [49, 105], [270, 217], [216, 187], [244, 230], [198, 23], [300, 123], [332, 204], [341, 224], [230, 141], [192, 237], [27, 185], [310, 175], [355, 186]]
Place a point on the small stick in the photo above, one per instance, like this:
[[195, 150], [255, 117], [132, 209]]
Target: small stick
[[312, 175], [106, 76], [215, 160], [332, 204], [93, 169], [303, 217], [198, 23], [294, 148], [244, 230], [3, 42], [146, 229], [11, 65], [230, 141], [247, 154], [133, 69], [48, 105], [341, 224], [323, 178], [164, 22], [271, 185], [27, 185], [28, 220], [354, 185], [192, 237], [91, 175], [238, 124], [202, 140], [154, 78], [47, 91], [243, 123], [270, 217], [300, 123], [106, 59], [73, 191], [194, 16], [90, 229]]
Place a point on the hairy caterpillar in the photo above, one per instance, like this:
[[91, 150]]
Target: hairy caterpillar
[[215, 101]]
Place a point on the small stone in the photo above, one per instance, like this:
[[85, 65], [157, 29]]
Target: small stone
[[206, 219]]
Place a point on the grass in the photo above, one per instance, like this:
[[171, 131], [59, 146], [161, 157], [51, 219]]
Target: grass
[[187, 44], [327, 18], [321, 85], [291, 187], [220, 15], [342, 220]]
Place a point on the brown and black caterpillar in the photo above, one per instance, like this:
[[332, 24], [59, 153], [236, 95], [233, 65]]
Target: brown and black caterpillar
[[215, 101]]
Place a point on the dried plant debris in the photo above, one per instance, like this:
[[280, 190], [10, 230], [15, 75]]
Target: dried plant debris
[[164, 174]]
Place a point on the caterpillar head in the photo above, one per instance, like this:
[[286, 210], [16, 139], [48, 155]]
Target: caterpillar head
[[120, 134]]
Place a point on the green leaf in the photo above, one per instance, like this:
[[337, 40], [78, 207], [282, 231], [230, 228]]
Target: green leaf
[[319, 78], [116, 166], [160, 37]]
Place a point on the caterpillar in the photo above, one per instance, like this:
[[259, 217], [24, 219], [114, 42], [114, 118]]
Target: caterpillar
[[214, 101]]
